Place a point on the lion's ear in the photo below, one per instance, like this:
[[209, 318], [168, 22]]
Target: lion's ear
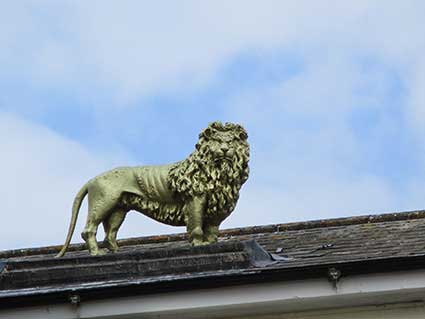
[[206, 133], [216, 125], [243, 135]]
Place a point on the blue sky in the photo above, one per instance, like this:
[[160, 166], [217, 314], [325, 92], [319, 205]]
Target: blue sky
[[331, 93]]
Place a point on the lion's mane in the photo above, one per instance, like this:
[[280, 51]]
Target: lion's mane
[[199, 174]]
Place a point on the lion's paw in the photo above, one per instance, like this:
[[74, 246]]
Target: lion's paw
[[99, 252], [198, 242]]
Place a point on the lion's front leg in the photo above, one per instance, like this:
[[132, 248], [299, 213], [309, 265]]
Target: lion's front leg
[[194, 212], [211, 233]]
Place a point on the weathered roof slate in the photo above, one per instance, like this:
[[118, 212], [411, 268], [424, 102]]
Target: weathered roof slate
[[355, 244]]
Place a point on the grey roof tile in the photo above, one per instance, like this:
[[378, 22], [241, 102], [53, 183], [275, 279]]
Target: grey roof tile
[[170, 257]]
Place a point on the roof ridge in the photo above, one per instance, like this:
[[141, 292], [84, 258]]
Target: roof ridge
[[311, 224]]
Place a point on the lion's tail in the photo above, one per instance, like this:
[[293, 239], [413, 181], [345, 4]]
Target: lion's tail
[[75, 209]]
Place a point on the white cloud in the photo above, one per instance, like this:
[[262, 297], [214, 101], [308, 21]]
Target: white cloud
[[136, 48], [310, 197], [416, 97]]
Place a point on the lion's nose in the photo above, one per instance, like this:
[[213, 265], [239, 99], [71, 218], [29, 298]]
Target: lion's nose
[[224, 148]]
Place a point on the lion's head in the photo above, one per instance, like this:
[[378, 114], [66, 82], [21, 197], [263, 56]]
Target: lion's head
[[218, 168]]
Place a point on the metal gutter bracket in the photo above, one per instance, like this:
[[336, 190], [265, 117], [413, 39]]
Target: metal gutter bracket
[[334, 275]]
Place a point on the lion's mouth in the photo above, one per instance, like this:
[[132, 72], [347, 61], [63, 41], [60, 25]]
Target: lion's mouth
[[223, 158]]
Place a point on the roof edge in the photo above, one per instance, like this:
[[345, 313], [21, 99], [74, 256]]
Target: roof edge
[[232, 277], [320, 223]]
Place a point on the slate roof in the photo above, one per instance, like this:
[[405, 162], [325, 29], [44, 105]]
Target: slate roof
[[373, 243]]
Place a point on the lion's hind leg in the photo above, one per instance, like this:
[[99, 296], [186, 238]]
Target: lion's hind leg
[[100, 208], [111, 225]]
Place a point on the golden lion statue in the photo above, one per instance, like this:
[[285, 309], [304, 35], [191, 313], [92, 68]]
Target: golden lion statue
[[198, 192]]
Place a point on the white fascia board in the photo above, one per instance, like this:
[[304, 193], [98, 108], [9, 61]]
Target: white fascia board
[[266, 298]]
